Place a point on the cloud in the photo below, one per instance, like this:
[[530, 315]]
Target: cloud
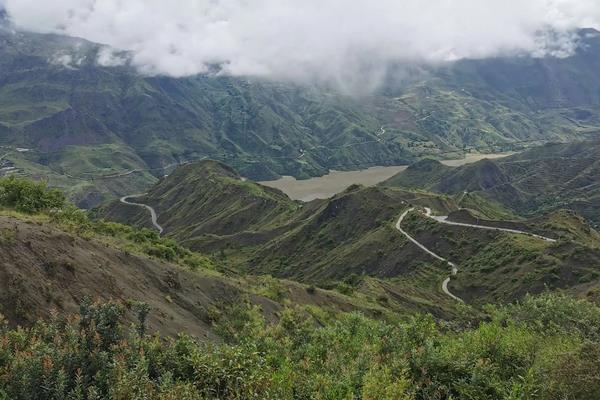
[[334, 41], [109, 57]]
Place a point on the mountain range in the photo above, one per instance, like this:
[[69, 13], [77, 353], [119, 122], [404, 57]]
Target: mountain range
[[100, 131], [140, 256]]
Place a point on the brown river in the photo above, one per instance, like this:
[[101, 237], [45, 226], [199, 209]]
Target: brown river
[[336, 181]]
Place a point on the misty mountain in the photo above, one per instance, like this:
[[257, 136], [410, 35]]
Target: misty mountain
[[105, 130]]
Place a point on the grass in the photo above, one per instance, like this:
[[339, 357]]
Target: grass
[[140, 241]]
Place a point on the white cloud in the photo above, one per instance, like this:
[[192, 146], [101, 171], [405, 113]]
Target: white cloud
[[109, 57], [65, 60], [341, 41]]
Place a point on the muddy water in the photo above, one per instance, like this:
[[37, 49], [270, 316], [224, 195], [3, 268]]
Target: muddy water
[[336, 181]]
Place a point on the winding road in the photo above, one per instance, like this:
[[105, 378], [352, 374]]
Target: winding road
[[147, 207], [453, 267], [444, 220], [380, 134]]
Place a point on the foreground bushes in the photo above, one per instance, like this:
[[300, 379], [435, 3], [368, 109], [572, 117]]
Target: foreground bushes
[[29, 197], [354, 358]]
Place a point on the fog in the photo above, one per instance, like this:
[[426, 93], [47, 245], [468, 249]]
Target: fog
[[343, 42]]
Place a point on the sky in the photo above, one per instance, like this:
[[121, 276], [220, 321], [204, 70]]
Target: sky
[[346, 42]]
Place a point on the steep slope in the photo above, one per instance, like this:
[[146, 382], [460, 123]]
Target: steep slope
[[203, 202], [208, 206], [46, 267], [260, 127], [499, 266], [325, 242], [352, 233], [421, 174]]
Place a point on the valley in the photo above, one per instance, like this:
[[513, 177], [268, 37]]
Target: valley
[[205, 214], [353, 235], [101, 132]]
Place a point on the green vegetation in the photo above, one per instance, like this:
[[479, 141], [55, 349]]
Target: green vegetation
[[497, 267], [327, 243], [361, 328], [31, 197], [87, 125], [28, 196], [143, 240], [208, 207], [275, 339], [537, 181], [51, 260], [543, 348]]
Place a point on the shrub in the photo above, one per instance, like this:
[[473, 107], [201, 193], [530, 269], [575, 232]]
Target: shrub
[[28, 196], [161, 251], [353, 357]]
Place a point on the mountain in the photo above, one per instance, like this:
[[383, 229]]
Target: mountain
[[117, 312], [423, 173], [54, 260], [86, 122], [205, 202], [350, 241], [101, 131], [539, 180]]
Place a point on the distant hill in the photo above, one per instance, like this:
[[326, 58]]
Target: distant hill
[[421, 174], [538, 180], [103, 131]]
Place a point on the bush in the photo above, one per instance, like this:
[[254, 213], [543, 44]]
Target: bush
[[161, 251], [28, 196], [353, 357]]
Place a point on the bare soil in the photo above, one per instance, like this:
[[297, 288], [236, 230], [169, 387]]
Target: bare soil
[[45, 270]]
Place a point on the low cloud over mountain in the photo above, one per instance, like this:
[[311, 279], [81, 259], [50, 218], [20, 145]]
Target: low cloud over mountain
[[331, 41]]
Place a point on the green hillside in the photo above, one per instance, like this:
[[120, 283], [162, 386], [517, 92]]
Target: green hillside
[[350, 242], [53, 258], [539, 180], [171, 323], [141, 259], [96, 131]]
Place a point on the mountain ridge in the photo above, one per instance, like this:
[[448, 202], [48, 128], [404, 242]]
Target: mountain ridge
[[349, 241], [75, 115], [538, 180]]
